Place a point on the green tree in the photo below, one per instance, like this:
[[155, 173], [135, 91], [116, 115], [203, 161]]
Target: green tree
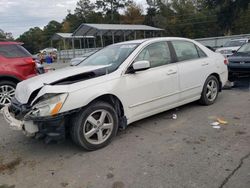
[[241, 25], [84, 10], [49, 30], [71, 23], [184, 18], [152, 11], [32, 39], [227, 12], [110, 8], [133, 14]]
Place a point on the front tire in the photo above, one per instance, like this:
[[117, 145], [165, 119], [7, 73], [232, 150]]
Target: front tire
[[7, 92], [210, 91], [94, 126]]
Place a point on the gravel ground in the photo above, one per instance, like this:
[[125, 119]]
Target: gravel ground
[[156, 152]]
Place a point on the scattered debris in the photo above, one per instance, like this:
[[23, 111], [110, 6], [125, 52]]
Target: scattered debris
[[174, 116], [118, 184], [52, 172], [216, 127], [240, 132], [236, 117], [171, 165], [64, 184], [191, 142], [222, 121], [202, 138], [10, 165], [215, 123], [219, 121], [228, 85], [110, 175]]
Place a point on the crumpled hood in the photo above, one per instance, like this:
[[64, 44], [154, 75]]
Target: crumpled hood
[[25, 88]]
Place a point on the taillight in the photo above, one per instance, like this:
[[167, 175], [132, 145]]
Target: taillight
[[29, 61], [226, 61]]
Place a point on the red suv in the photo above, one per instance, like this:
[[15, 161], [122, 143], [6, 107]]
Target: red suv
[[16, 64]]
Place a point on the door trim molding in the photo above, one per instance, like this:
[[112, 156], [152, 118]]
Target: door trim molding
[[154, 99]]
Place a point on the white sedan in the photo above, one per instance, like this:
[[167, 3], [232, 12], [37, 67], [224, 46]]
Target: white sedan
[[114, 87]]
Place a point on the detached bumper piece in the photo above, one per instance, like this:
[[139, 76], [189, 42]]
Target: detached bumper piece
[[13, 122], [52, 129]]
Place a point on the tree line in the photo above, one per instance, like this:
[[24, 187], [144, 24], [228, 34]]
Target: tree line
[[183, 18]]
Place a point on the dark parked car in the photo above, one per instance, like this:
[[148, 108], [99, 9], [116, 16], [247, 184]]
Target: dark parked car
[[239, 63], [16, 64]]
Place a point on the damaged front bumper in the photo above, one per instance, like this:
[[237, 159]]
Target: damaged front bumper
[[14, 123], [49, 128]]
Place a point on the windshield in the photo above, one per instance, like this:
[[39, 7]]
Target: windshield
[[113, 56], [234, 43], [245, 48]]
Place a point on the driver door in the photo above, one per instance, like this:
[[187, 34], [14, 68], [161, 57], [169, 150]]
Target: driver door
[[153, 90]]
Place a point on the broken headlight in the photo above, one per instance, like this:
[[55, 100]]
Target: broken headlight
[[49, 106]]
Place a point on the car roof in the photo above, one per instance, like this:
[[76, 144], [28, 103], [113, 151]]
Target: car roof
[[9, 42], [140, 41]]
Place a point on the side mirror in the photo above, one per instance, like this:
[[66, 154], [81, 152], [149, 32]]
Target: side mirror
[[141, 65], [138, 66], [233, 51]]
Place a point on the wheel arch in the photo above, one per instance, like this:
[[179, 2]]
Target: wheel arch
[[219, 80], [111, 99], [9, 78], [118, 106]]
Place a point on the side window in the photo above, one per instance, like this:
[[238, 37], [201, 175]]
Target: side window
[[200, 52], [185, 50], [157, 54], [13, 51]]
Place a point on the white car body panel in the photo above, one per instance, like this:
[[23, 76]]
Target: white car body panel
[[26, 87], [142, 94]]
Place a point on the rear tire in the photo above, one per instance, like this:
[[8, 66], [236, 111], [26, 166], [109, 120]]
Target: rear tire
[[7, 91], [210, 91], [95, 126]]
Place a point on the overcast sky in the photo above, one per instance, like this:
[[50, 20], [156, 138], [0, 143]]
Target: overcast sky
[[17, 16]]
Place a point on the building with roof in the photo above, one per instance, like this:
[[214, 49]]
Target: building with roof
[[68, 37], [100, 35], [114, 30]]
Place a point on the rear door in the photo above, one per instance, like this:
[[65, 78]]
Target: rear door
[[17, 59], [193, 65]]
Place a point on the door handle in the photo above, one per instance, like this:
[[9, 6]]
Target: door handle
[[204, 64], [171, 71]]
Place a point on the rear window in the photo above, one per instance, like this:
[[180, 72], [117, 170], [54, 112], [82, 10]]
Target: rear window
[[13, 51]]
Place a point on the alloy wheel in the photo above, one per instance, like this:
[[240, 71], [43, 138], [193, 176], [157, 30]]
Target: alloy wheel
[[6, 93], [98, 127], [212, 90]]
